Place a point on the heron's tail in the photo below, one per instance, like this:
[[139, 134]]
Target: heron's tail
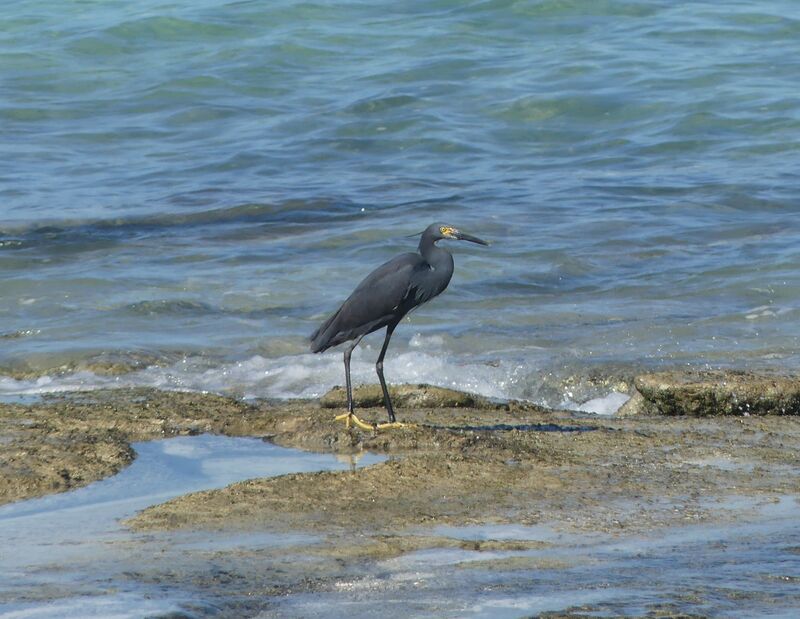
[[321, 338]]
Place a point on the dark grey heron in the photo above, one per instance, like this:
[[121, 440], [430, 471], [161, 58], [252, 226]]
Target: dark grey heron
[[383, 298]]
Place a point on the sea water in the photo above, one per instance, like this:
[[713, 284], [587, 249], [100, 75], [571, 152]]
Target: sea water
[[744, 569], [187, 189], [68, 555]]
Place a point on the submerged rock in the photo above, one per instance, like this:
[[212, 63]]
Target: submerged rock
[[719, 392], [114, 363]]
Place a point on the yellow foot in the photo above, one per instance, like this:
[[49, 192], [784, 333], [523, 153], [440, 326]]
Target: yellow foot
[[351, 418]]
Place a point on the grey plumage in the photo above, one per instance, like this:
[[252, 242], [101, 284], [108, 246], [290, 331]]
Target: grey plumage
[[386, 295]]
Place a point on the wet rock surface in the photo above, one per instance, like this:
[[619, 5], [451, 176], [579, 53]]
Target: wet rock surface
[[408, 396], [454, 463], [711, 393], [69, 441], [523, 465]]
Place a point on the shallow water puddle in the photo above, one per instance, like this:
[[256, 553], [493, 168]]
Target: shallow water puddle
[[66, 555], [68, 551], [742, 570]]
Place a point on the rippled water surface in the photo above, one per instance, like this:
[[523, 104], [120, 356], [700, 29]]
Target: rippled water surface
[[188, 188]]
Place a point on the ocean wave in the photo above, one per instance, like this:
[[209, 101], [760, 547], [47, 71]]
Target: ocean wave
[[301, 214], [310, 376]]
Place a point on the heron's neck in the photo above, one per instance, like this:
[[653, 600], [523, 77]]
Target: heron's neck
[[438, 258]]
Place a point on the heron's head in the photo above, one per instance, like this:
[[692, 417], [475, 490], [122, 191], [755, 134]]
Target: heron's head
[[443, 231]]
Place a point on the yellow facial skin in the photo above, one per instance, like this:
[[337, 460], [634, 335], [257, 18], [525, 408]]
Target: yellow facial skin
[[448, 232]]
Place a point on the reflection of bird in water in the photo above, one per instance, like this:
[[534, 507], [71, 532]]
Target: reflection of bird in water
[[383, 298], [350, 459]]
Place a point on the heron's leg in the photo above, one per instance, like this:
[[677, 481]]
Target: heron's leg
[[392, 424], [379, 368], [350, 416], [349, 351]]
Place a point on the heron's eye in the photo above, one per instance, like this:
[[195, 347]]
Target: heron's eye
[[447, 231]]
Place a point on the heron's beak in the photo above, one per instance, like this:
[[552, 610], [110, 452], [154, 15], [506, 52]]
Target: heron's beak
[[468, 237]]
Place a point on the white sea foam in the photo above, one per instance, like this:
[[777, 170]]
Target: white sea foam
[[421, 360], [604, 405], [294, 376]]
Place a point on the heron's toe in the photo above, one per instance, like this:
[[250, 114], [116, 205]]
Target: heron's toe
[[350, 418], [395, 425]]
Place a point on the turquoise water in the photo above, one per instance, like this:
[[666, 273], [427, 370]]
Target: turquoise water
[[188, 188]]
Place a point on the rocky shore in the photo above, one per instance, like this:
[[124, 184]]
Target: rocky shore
[[465, 459], [687, 448]]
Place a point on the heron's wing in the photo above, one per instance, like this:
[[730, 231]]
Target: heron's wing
[[381, 298], [384, 291], [392, 274], [424, 284]]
